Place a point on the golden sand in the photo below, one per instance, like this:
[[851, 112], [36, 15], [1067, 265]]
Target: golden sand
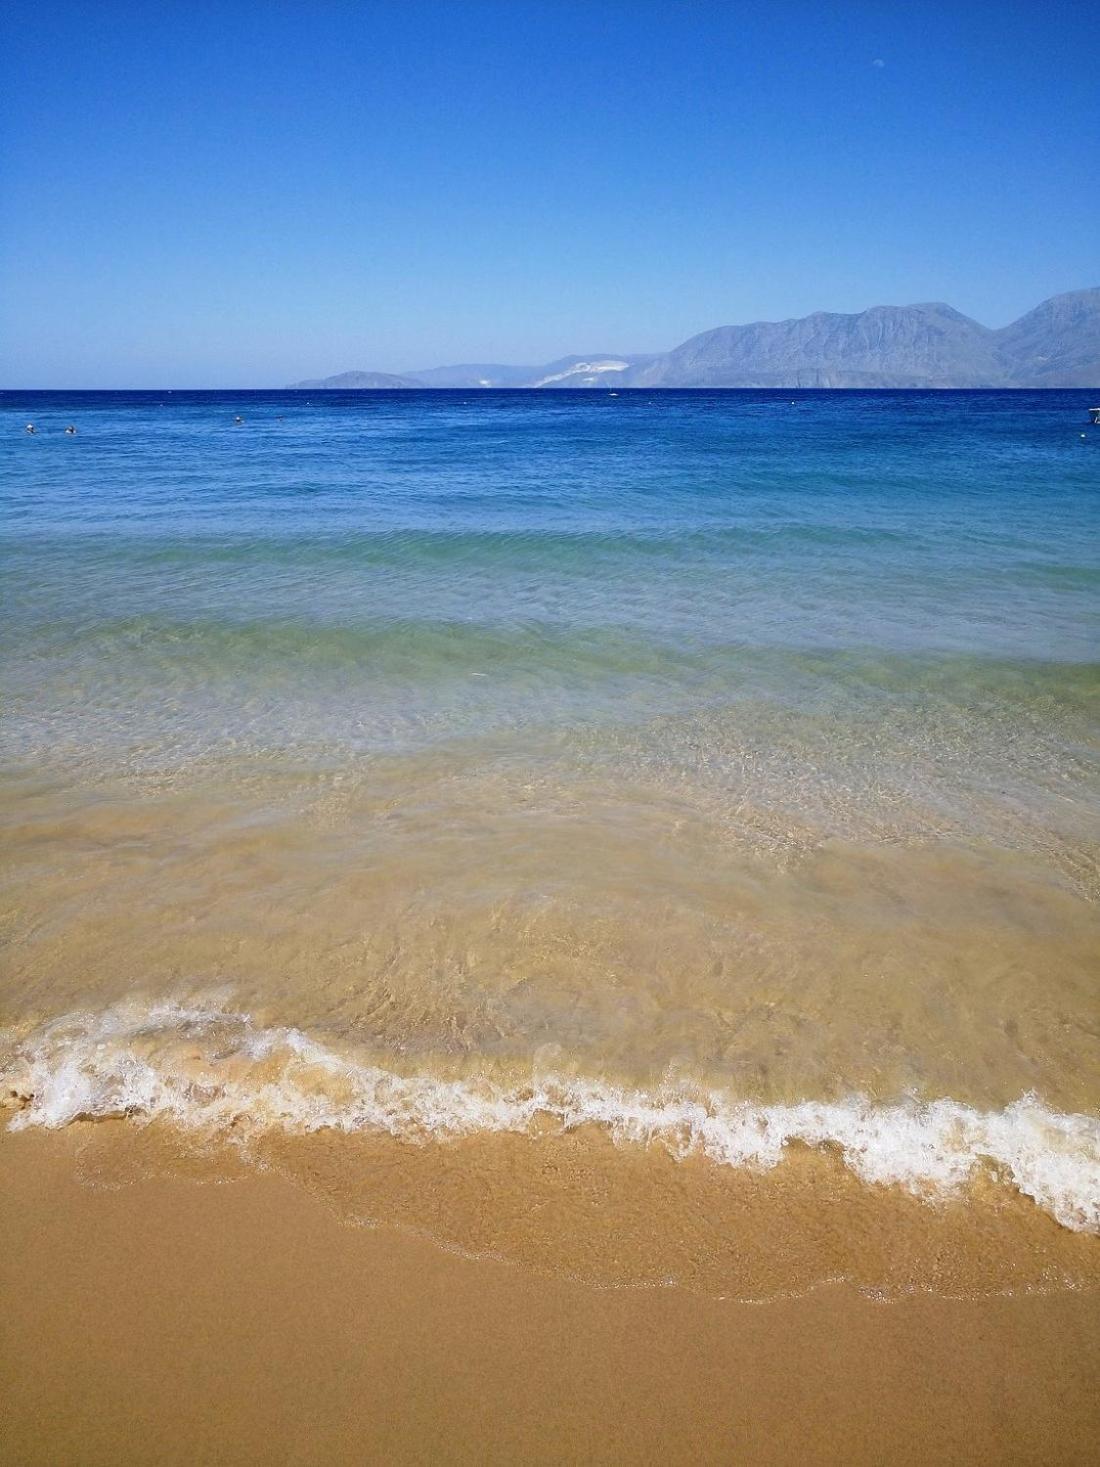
[[165, 1321], [249, 1291]]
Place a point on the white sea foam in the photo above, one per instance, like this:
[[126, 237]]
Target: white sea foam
[[205, 1068]]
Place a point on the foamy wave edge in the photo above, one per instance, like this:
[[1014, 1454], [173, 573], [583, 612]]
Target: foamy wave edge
[[207, 1069]]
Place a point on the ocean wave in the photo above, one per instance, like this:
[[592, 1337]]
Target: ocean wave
[[209, 1069]]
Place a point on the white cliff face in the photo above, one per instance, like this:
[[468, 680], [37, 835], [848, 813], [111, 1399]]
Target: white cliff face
[[583, 374]]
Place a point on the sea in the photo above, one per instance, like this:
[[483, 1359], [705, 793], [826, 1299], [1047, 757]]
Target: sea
[[648, 836]]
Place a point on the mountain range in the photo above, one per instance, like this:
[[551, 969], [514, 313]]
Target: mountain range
[[1055, 345]]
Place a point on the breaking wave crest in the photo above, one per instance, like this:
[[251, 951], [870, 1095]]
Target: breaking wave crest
[[212, 1070]]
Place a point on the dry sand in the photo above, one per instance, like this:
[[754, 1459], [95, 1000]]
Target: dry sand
[[169, 1322]]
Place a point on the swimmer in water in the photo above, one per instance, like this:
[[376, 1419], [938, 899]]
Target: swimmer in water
[[70, 430], [30, 428]]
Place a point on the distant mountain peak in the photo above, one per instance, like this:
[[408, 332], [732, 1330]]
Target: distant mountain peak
[[929, 344]]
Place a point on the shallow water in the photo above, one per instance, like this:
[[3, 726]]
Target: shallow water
[[709, 772]]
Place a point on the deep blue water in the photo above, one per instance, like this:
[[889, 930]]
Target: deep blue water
[[377, 567]]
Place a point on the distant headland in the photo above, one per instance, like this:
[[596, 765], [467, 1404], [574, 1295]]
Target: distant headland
[[1055, 345]]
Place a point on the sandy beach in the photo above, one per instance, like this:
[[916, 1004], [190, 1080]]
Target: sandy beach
[[519, 948], [549, 736], [172, 1320]]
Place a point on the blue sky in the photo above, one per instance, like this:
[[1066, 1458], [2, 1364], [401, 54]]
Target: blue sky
[[244, 192]]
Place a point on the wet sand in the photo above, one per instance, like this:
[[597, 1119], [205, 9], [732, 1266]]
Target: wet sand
[[168, 1321]]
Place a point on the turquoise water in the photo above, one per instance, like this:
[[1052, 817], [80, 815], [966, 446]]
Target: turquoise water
[[374, 572], [716, 770]]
